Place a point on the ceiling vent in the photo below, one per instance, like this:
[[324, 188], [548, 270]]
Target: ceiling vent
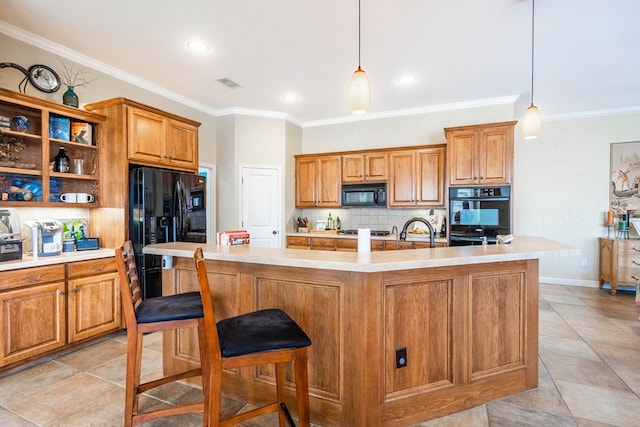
[[229, 83]]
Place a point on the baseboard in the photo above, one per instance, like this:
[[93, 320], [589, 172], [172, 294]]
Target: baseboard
[[569, 282]]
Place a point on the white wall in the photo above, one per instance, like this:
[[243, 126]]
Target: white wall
[[562, 188]]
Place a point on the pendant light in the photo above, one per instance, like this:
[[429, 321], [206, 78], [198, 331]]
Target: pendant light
[[532, 120], [359, 86]]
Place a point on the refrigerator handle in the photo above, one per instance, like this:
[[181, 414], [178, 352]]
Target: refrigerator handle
[[179, 199], [173, 228]]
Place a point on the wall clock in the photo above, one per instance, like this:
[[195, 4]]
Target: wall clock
[[43, 78]]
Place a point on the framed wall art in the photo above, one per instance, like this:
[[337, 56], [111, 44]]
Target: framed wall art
[[624, 196]]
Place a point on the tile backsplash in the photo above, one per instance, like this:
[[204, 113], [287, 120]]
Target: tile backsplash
[[373, 218]]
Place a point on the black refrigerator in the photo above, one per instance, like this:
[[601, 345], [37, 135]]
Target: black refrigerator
[[164, 206]]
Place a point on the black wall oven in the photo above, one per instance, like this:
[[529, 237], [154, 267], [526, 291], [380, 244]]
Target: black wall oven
[[478, 213]]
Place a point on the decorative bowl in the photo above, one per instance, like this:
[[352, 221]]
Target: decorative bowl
[[20, 123]]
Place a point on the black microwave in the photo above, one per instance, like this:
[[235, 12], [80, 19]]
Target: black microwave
[[363, 195]]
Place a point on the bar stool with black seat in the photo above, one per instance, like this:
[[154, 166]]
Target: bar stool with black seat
[[153, 315], [256, 338]]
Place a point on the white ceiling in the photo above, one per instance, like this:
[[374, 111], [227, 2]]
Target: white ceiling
[[587, 54]]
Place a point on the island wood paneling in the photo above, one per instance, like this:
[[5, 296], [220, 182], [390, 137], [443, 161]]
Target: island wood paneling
[[356, 321]]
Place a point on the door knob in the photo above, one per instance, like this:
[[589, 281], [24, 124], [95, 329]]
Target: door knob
[[274, 232]]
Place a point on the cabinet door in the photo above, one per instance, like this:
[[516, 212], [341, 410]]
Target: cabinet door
[[94, 306], [364, 167], [462, 157], [182, 145], [329, 181], [375, 167], [353, 168], [32, 321], [306, 177], [401, 190], [147, 135], [430, 177], [496, 154]]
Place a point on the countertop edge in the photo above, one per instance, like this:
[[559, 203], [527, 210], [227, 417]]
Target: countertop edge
[[372, 262], [41, 261]]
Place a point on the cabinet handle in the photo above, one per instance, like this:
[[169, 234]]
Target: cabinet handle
[[634, 278], [33, 279], [98, 269], [635, 262], [635, 248], [63, 293], [75, 289]]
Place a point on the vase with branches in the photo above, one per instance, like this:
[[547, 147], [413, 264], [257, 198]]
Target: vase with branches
[[73, 79]]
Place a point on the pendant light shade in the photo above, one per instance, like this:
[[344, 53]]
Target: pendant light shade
[[531, 123], [359, 94], [532, 120]]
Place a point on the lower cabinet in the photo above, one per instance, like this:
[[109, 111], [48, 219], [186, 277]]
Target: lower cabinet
[[32, 312], [93, 298], [619, 262], [351, 245], [43, 309]]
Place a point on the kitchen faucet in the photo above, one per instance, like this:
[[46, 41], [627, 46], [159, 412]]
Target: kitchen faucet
[[432, 238]]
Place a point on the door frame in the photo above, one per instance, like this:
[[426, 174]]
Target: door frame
[[278, 170], [210, 195]]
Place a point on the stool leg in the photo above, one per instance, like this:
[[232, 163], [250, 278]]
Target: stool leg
[[302, 386], [132, 380], [280, 380], [205, 365]]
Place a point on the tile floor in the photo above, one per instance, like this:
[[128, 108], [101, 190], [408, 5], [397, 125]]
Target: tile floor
[[589, 376]]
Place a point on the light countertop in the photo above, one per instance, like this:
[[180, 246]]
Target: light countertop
[[520, 249], [41, 261]]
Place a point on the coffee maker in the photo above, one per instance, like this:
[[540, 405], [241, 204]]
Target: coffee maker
[[43, 237], [10, 235]]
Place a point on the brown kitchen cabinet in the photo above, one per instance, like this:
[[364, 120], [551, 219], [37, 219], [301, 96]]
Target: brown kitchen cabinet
[[619, 262], [32, 312], [26, 178], [158, 140], [322, 244], [45, 309], [94, 298], [480, 154], [416, 177], [368, 167], [318, 181]]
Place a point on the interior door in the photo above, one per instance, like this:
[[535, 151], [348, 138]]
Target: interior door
[[260, 204]]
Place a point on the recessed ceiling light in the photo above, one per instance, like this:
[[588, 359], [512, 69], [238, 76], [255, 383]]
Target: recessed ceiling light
[[290, 98], [197, 46], [406, 80]]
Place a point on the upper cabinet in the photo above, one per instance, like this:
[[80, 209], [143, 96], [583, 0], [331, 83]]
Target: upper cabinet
[[32, 131], [158, 140], [480, 154], [142, 135], [318, 181], [416, 177], [369, 167]]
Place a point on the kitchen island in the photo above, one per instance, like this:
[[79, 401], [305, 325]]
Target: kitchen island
[[466, 318]]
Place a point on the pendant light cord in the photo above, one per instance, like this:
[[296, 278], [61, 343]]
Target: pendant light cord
[[359, 34], [533, 14]]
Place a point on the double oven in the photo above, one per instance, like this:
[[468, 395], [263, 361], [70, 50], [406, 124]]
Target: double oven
[[478, 214]]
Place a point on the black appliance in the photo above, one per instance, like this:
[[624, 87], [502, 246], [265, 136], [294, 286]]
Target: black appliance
[[363, 195], [478, 213], [160, 211], [373, 232]]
